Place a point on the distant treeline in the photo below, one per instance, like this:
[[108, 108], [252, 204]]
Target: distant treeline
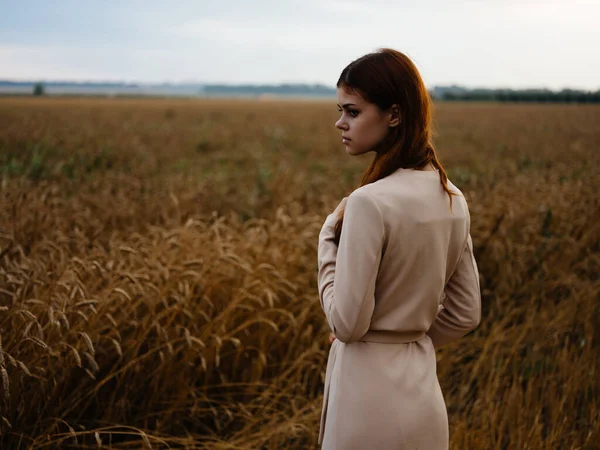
[[269, 89], [83, 84], [443, 93], [526, 95]]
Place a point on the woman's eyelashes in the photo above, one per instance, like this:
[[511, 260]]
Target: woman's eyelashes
[[352, 112]]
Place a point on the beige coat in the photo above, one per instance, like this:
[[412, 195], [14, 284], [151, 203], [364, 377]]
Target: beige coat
[[403, 281]]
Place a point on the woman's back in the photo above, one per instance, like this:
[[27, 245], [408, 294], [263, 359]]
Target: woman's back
[[422, 245]]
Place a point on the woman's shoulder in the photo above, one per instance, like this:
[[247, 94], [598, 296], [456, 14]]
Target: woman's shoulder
[[403, 188], [399, 182], [368, 192], [364, 200]]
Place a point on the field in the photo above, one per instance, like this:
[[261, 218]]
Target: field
[[158, 272]]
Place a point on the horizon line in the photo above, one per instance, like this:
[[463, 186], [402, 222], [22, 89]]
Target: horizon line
[[260, 84]]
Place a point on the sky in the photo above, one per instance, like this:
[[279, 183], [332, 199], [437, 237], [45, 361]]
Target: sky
[[474, 43]]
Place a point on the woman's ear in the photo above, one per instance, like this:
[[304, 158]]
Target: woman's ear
[[395, 118]]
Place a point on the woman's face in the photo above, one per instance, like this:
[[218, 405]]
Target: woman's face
[[362, 123]]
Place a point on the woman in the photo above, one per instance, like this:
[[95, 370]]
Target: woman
[[396, 272]]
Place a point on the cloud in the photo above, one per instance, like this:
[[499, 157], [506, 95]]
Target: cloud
[[476, 42], [254, 34], [346, 7]]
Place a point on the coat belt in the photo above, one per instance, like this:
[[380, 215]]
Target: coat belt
[[392, 337]]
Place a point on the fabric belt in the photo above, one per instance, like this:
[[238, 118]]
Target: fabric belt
[[392, 337]]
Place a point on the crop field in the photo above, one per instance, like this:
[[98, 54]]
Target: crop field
[[158, 272]]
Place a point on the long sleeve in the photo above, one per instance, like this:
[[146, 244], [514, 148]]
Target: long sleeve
[[461, 308], [347, 275]]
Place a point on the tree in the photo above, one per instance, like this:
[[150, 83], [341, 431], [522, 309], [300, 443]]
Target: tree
[[38, 89]]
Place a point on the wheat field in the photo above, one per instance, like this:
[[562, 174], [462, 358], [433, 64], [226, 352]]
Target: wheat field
[[158, 272]]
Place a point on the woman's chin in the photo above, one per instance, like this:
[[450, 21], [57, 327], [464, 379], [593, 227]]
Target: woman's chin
[[350, 151], [353, 152]]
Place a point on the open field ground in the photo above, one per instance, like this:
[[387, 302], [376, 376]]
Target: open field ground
[[158, 273]]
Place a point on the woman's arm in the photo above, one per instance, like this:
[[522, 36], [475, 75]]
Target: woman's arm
[[461, 310], [346, 275]]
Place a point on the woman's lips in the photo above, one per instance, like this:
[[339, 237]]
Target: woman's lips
[[345, 140]]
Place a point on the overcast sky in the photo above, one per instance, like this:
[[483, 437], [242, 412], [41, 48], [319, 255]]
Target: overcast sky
[[477, 43]]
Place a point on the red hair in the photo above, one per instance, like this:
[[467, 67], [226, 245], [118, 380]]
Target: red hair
[[385, 78]]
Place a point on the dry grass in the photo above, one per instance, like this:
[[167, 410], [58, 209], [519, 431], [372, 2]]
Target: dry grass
[[158, 273]]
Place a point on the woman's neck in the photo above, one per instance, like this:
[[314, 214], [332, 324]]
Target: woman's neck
[[428, 167]]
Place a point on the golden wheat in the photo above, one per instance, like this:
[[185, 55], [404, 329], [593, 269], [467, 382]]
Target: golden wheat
[[158, 273]]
